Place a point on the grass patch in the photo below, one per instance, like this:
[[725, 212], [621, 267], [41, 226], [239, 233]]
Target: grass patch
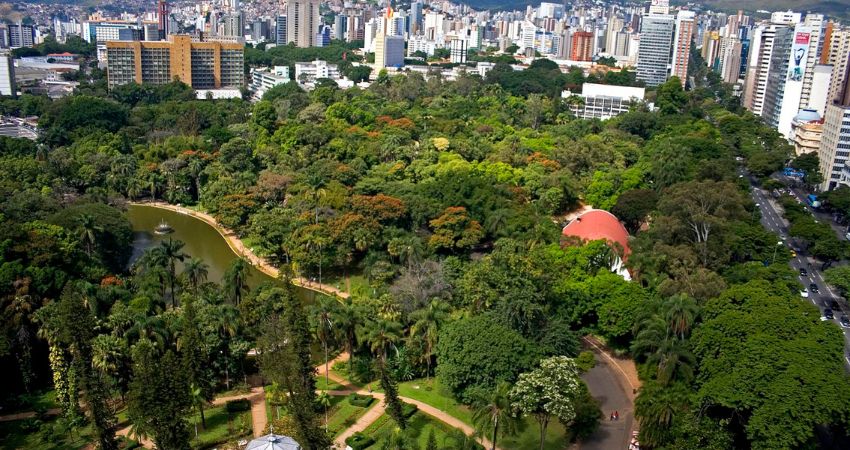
[[342, 414], [37, 434], [41, 401], [340, 369], [434, 394], [221, 427], [330, 385], [419, 426]]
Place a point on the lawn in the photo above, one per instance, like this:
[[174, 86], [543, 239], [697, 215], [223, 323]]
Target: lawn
[[33, 433], [221, 426], [432, 393], [358, 283], [330, 386], [343, 414], [41, 401], [419, 426], [340, 369]]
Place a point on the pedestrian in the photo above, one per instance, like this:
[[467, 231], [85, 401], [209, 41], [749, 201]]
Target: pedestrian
[[616, 415], [612, 417]]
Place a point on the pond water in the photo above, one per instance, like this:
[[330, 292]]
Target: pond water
[[201, 239]]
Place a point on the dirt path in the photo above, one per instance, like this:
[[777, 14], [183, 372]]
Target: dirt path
[[373, 413], [246, 253], [28, 415]]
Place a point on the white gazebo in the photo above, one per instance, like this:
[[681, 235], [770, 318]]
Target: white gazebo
[[273, 442]]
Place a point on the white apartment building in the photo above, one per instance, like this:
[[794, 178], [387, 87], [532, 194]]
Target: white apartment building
[[264, 79], [602, 101]]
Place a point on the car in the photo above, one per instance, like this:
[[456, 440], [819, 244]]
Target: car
[[827, 314], [793, 253], [814, 288], [844, 321], [803, 272], [804, 293]]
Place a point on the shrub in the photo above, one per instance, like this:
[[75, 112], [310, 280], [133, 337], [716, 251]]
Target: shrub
[[240, 405], [585, 361], [408, 410], [362, 401], [359, 441]]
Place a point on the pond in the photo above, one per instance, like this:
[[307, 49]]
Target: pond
[[201, 239]]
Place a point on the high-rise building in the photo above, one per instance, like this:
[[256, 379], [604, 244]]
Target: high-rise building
[[323, 36], [389, 51], [834, 150], [582, 46], [302, 22], [659, 7], [784, 87], [839, 50], [656, 42], [21, 35], [458, 51], [816, 25], [280, 30], [730, 68], [162, 12], [614, 27], [7, 77], [233, 25], [685, 27], [415, 17], [202, 65]]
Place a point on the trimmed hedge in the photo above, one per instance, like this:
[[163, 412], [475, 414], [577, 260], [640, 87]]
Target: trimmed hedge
[[240, 405], [408, 410], [359, 441], [362, 401]]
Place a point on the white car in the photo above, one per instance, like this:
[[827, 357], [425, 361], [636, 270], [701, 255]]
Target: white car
[[804, 293]]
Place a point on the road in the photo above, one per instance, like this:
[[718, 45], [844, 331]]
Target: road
[[604, 386], [773, 220]]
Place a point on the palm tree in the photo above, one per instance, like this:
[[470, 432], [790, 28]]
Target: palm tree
[[346, 317], [426, 326], [198, 400], [195, 271], [322, 314], [672, 360], [171, 251], [236, 280], [680, 312], [656, 407], [88, 230], [323, 399], [381, 335], [494, 415], [226, 318]]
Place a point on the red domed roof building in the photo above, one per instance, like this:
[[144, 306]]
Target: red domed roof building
[[598, 224]]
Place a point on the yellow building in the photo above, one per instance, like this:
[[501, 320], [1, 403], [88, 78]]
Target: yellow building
[[201, 65]]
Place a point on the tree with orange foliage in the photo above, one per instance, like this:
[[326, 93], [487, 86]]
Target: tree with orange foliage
[[455, 230]]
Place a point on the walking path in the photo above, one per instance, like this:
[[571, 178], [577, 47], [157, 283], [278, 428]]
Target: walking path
[[28, 415], [614, 383], [376, 411], [240, 249]]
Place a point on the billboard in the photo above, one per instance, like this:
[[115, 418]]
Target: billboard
[[799, 52]]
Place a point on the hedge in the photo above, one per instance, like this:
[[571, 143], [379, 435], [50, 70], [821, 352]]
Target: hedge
[[362, 401], [408, 410], [235, 406], [359, 441]]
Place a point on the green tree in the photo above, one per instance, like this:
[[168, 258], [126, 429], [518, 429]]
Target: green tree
[[475, 354], [426, 326], [390, 388], [172, 252], [196, 271], [160, 397], [236, 280], [77, 329], [493, 415], [548, 391]]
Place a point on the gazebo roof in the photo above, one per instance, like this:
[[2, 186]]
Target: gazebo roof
[[273, 442]]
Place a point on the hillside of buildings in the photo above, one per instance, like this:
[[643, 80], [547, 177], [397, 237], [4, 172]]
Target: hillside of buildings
[[834, 8]]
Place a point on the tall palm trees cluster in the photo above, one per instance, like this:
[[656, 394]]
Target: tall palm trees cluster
[[662, 342]]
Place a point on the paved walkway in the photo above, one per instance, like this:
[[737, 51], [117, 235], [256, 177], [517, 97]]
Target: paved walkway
[[240, 249], [376, 411], [614, 383]]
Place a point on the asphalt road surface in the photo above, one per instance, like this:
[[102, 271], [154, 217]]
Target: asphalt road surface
[[773, 220]]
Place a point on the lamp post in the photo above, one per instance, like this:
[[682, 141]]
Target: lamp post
[[774, 251]]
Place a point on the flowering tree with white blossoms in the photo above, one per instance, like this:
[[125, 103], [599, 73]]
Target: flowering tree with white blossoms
[[550, 390]]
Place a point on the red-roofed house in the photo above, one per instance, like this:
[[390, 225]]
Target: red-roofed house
[[598, 224]]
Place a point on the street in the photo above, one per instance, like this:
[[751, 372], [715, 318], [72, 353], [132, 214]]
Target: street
[[772, 219]]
